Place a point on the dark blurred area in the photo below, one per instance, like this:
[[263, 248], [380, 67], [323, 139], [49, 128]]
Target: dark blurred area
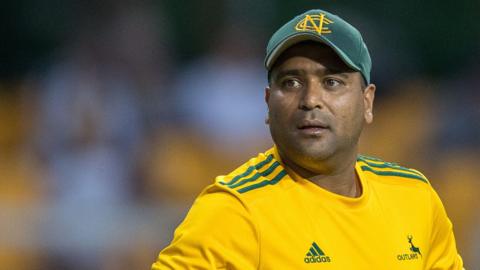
[[115, 114]]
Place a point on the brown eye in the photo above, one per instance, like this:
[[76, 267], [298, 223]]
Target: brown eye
[[331, 83], [290, 83]]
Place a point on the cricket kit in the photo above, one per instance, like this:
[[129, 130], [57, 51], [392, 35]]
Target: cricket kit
[[264, 216]]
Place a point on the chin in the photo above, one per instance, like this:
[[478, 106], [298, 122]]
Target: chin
[[314, 152], [317, 154]]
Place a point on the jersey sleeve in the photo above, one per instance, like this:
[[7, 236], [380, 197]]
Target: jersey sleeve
[[217, 233], [443, 253]]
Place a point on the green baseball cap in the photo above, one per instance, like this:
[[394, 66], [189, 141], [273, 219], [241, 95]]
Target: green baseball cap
[[325, 27]]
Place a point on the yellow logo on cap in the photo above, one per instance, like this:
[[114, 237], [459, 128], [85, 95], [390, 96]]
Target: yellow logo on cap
[[314, 23]]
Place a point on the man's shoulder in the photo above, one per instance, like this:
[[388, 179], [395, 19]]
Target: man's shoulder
[[251, 179], [233, 196], [391, 172]]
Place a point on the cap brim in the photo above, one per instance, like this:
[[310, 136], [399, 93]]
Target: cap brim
[[304, 36]]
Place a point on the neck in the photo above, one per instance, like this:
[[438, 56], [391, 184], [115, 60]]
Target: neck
[[345, 184], [336, 177]]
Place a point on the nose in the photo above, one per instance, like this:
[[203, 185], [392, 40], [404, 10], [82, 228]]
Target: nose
[[312, 97]]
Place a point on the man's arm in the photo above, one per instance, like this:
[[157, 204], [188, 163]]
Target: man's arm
[[443, 253], [218, 233]]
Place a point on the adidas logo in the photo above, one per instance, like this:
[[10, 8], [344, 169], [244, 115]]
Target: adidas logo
[[316, 255]]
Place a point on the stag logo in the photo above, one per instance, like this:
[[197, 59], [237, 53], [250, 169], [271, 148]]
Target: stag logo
[[413, 248], [415, 251]]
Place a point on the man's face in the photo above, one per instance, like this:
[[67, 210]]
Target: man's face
[[317, 106]]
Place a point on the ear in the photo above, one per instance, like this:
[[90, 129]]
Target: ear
[[267, 98], [267, 94], [368, 98]]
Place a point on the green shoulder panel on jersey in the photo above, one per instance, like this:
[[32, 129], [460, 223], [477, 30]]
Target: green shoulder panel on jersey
[[249, 170], [380, 167], [257, 175], [263, 183]]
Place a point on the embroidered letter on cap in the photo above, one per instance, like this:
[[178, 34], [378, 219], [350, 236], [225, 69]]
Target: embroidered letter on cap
[[314, 23]]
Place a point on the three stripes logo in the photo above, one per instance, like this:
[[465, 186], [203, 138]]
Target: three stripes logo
[[316, 255], [256, 176], [382, 168]]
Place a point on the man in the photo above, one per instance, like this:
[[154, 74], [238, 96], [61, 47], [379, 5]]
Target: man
[[311, 202]]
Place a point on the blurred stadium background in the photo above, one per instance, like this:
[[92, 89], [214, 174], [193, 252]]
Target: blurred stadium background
[[115, 114]]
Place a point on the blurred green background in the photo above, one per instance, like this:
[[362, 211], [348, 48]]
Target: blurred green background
[[115, 114]]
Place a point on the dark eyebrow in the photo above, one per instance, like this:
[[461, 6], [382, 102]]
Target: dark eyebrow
[[288, 72], [339, 72], [299, 72]]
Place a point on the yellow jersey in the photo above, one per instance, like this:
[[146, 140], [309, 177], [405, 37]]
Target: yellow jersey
[[263, 216]]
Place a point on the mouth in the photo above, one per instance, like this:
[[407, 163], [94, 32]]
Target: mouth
[[312, 128]]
